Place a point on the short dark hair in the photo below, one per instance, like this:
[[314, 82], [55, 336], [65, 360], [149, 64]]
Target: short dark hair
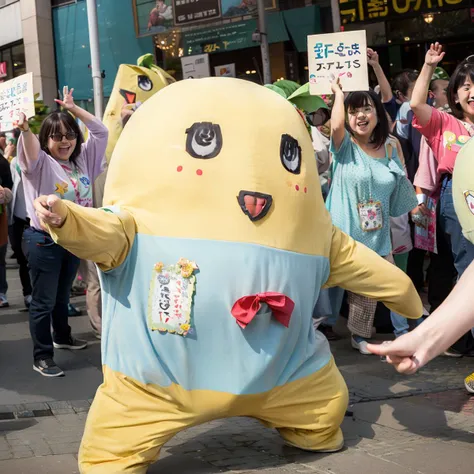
[[359, 99], [3, 135], [403, 80], [52, 124], [465, 70]]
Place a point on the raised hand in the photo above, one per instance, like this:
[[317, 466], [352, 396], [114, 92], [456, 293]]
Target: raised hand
[[336, 86], [68, 99], [434, 55], [372, 57], [22, 122], [47, 209]]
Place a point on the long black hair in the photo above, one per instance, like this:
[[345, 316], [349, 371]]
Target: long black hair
[[358, 99], [465, 70], [52, 124]]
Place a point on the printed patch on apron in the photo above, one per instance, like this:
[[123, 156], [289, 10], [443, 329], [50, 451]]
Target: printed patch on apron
[[171, 297], [370, 215], [469, 197]]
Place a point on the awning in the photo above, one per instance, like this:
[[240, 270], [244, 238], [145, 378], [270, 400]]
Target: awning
[[302, 22]]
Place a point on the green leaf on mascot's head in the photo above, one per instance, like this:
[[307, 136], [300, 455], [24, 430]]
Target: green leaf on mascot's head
[[288, 86], [305, 101], [276, 89], [148, 61]]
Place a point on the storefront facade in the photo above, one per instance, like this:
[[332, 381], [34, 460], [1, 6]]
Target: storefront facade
[[26, 44], [229, 39], [401, 30], [117, 40]]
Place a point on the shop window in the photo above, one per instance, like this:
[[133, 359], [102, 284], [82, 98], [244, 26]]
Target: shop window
[[60, 3], [18, 60], [14, 57]]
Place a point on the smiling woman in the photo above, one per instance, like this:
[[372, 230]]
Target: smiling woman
[[60, 163], [369, 186]]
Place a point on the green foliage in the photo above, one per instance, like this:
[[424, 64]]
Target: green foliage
[[41, 111]]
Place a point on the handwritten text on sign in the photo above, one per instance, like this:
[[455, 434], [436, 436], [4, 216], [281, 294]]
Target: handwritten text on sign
[[16, 96], [342, 55]]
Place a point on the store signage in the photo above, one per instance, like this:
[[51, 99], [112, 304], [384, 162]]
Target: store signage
[[16, 96], [342, 55], [192, 11], [196, 67], [160, 16], [3, 70], [354, 11], [220, 38]]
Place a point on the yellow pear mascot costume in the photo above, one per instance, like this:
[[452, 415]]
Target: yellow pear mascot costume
[[133, 86], [213, 246]]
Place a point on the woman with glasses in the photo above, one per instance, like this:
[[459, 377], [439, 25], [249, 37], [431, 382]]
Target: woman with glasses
[[368, 187], [57, 162]]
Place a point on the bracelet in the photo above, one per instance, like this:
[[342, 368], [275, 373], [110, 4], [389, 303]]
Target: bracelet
[[422, 198]]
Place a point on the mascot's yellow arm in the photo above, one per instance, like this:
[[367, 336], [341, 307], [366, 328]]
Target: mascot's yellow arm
[[358, 269], [94, 234]]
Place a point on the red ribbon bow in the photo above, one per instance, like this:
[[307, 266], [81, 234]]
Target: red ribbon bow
[[245, 309]]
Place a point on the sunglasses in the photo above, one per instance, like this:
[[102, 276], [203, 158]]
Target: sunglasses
[[58, 137]]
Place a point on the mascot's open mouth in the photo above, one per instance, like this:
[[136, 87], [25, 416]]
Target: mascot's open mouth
[[130, 97], [254, 205]]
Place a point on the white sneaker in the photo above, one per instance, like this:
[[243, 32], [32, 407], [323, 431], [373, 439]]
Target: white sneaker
[[360, 346], [3, 301]]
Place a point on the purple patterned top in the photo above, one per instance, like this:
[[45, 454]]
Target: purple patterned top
[[49, 176]]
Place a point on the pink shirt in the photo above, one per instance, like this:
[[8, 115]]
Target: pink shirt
[[427, 176], [49, 176], [446, 135]]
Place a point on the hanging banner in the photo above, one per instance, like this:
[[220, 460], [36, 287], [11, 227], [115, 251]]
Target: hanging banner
[[192, 11], [196, 67], [342, 55], [160, 16], [153, 16], [233, 8], [16, 96]]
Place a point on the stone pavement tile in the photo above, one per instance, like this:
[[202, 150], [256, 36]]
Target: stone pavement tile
[[43, 465], [417, 418], [181, 464], [356, 462], [434, 457]]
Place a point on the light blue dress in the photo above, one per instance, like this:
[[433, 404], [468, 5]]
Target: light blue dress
[[357, 177]]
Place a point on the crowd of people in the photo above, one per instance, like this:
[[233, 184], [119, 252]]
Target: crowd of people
[[392, 151], [384, 157]]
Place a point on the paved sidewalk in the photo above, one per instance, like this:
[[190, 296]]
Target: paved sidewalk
[[400, 425]]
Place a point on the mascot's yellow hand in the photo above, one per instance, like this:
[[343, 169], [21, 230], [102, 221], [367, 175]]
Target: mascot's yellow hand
[[50, 210]]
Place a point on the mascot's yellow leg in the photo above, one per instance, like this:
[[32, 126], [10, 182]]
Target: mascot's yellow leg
[[129, 422], [308, 413]]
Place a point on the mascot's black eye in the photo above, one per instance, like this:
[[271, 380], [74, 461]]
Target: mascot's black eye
[[204, 140], [290, 154], [144, 83]]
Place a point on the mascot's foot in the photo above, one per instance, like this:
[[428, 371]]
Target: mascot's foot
[[333, 450]]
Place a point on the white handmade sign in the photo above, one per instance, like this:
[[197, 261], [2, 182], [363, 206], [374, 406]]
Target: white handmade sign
[[342, 55], [16, 96], [196, 67]]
